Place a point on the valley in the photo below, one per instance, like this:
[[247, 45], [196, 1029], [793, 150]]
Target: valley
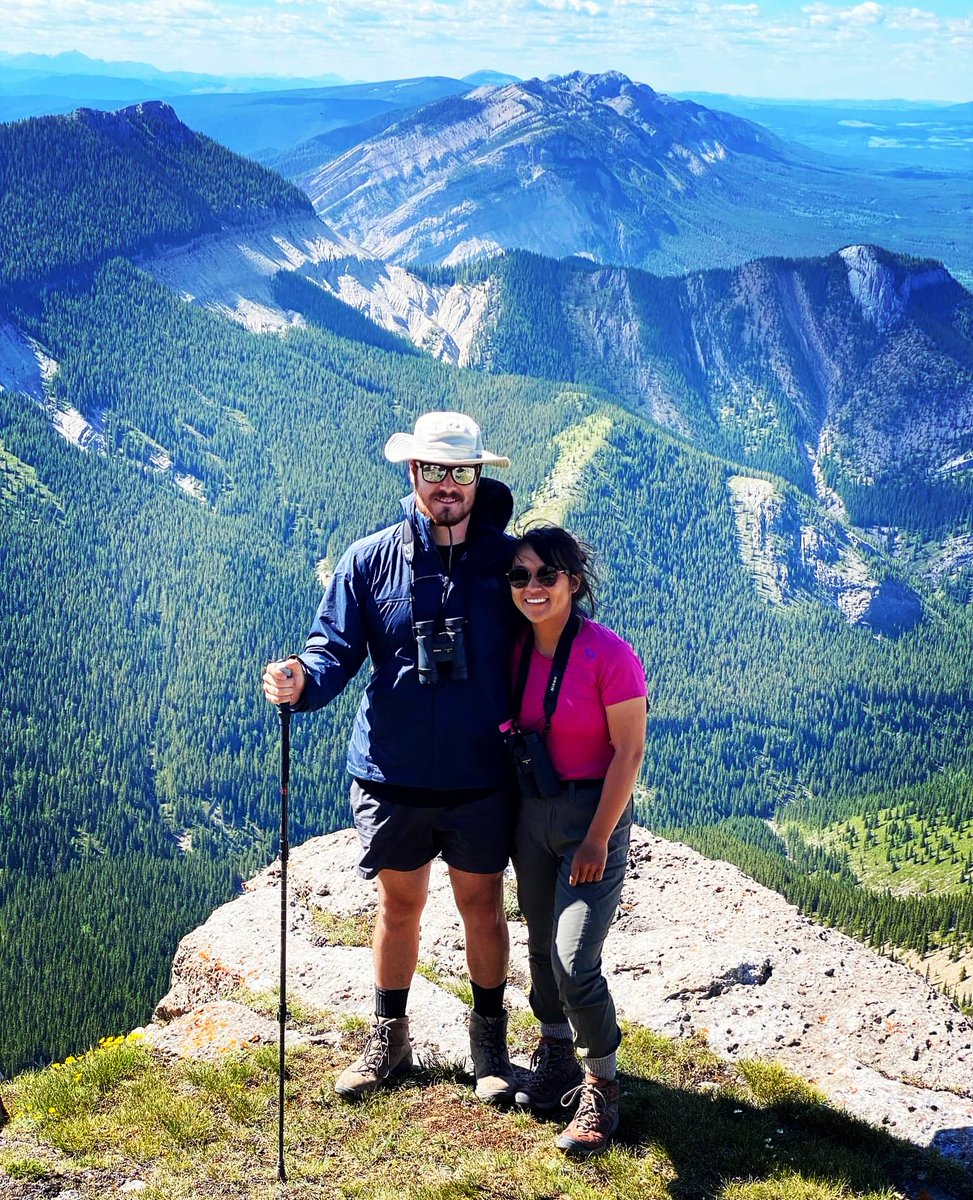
[[197, 375]]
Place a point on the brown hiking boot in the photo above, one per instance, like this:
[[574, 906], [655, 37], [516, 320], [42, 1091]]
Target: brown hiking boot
[[387, 1054], [596, 1119], [495, 1079], [554, 1070]]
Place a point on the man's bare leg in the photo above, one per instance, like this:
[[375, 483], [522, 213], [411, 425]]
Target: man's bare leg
[[395, 951], [395, 943], [479, 899]]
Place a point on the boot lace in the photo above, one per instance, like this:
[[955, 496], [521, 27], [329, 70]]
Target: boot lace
[[377, 1051], [548, 1060], [488, 1040], [591, 1107]]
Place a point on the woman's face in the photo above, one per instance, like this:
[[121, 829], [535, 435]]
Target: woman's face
[[538, 603]]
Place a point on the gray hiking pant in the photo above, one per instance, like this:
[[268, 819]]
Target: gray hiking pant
[[567, 925]]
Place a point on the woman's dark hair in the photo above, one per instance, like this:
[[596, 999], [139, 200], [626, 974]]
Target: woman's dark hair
[[558, 548]]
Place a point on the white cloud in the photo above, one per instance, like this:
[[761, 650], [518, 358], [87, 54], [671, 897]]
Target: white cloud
[[766, 47], [917, 19], [868, 13], [579, 6], [960, 32]]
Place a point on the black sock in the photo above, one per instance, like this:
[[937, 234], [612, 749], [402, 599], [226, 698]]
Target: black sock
[[488, 1002], [391, 1002]]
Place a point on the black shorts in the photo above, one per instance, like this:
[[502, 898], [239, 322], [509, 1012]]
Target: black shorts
[[472, 836]]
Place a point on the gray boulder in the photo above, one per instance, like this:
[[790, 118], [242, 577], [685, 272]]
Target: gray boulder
[[697, 948]]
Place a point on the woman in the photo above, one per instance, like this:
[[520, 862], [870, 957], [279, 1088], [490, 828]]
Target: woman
[[581, 690]]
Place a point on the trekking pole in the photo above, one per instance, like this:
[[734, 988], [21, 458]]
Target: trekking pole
[[284, 716]]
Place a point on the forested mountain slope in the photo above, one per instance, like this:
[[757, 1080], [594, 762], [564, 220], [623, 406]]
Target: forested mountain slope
[[599, 166], [138, 762], [78, 188], [852, 372], [214, 227]]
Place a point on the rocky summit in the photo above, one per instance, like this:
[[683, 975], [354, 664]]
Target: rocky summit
[[697, 948], [594, 165]]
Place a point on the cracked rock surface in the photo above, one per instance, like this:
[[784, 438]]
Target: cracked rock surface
[[697, 947]]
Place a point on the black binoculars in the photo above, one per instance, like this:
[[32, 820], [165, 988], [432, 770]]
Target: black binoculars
[[535, 772], [443, 647]]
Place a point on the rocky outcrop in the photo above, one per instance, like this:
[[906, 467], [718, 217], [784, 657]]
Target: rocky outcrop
[[231, 272], [883, 288], [213, 1029], [24, 364], [697, 948], [792, 558]]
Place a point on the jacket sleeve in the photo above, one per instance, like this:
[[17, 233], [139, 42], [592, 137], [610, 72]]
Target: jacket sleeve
[[337, 645]]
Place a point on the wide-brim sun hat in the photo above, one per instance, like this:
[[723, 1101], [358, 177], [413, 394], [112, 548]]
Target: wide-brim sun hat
[[443, 437]]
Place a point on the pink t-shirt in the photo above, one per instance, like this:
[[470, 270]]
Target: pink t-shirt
[[602, 670]]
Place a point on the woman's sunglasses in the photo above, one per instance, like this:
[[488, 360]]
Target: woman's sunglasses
[[434, 473], [519, 577]]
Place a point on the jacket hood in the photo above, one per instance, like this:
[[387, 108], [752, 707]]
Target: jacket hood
[[492, 509]]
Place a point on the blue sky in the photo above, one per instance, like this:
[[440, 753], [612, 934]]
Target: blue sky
[[813, 50]]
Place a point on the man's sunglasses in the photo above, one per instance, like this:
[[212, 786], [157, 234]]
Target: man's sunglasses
[[434, 473], [519, 577]]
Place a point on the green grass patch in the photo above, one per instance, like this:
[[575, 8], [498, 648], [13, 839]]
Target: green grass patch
[[25, 1168], [511, 905], [692, 1125], [351, 929], [903, 851]]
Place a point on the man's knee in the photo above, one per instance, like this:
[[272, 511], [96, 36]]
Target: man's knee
[[399, 913], [478, 897], [402, 897]]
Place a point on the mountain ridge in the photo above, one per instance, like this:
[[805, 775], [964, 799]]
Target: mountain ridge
[[154, 181], [599, 166]]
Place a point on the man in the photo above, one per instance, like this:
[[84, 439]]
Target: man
[[427, 600]]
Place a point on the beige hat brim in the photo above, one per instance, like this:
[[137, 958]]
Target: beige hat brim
[[402, 447]]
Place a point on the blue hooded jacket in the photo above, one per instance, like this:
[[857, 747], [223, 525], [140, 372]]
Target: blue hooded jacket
[[443, 736]]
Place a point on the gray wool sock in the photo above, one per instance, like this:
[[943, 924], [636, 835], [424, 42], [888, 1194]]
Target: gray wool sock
[[562, 1030], [602, 1068]]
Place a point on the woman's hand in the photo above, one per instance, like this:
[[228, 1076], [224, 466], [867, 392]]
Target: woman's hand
[[626, 726], [588, 864]]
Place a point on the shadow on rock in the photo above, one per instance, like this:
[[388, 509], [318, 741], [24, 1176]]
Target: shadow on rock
[[710, 1139]]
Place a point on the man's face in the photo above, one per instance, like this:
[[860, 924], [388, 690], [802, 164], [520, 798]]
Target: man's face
[[444, 503]]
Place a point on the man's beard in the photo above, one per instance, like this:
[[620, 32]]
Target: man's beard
[[452, 515]]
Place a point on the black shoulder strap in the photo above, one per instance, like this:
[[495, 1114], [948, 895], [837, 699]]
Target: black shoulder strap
[[408, 542], [558, 667]]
